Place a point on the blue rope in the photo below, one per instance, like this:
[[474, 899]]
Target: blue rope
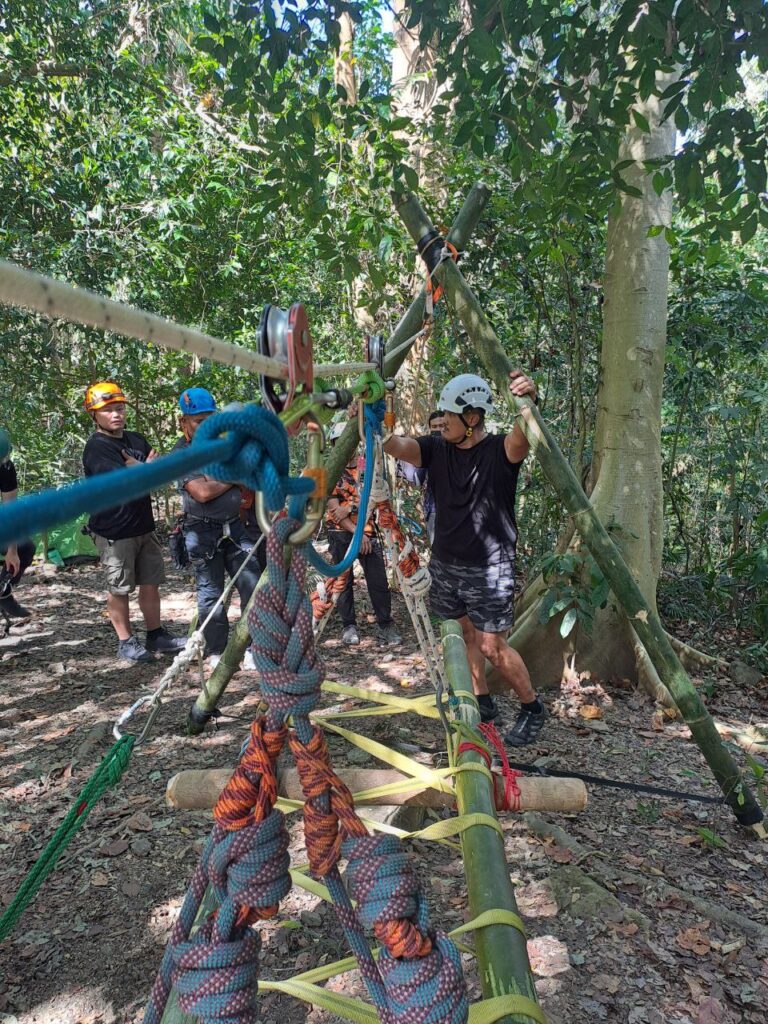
[[254, 452], [315, 559]]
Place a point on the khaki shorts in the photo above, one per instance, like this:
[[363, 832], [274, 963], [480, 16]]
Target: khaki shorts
[[131, 562]]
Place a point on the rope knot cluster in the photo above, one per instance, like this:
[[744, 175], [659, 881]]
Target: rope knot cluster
[[329, 811], [280, 622], [426, 991], [389, 897], [260, 458]]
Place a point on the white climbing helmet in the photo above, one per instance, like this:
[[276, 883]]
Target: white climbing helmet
[[337, 429], [467, 391]]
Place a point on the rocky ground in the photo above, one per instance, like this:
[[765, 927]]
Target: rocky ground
[[638, 909]]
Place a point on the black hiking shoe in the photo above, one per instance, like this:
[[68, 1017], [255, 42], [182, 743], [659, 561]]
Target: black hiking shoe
[[527, 727], [488, 707], [11, 607], [132, 650], [388, 635], [162, 642]]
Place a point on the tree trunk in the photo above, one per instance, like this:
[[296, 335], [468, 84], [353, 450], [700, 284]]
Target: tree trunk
[[627, 473], [414, 90]]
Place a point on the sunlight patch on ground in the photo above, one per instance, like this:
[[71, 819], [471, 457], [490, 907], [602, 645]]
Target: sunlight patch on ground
[[84, 1005]]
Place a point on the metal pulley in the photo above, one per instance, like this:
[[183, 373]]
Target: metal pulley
[[284, 335], [375, 351]]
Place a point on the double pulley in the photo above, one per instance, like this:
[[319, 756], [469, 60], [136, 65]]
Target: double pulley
[[284, 335]]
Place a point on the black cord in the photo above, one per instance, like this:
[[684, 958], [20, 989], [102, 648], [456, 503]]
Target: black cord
[[597, 780]]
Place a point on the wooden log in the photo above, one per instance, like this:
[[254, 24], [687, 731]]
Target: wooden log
[[199, 790]]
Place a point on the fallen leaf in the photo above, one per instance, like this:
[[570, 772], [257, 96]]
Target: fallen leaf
[[710, 1012], [657, 721], [691, 939], [607, 983], [139, 822], [536, 900], [590, 711], [99, 879], [114, 849], [560, 854], [548, 956], [623, 929], [131, 889]]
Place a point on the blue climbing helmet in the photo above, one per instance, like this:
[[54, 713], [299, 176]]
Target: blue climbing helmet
[[194, 401]]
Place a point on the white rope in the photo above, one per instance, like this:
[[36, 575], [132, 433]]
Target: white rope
[[192, 649], [56, 299]]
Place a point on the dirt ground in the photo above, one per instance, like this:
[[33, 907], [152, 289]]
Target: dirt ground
[[608, 941]]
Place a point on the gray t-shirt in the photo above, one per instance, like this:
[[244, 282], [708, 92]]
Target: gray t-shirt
[[222, 509]]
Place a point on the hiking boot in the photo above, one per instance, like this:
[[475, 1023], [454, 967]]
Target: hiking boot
[[388, 635], [527, 727], [249, 665], [132, 650], [11, 607], [488, 707], [162, 642], [350, 635]]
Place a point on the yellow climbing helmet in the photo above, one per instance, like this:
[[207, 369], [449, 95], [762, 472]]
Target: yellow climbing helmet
[[102, 394]]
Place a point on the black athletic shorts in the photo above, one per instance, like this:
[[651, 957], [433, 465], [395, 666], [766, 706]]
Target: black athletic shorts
[[484, 593]]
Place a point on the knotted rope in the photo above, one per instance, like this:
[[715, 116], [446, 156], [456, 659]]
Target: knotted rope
[[245, 861], [509, 798]]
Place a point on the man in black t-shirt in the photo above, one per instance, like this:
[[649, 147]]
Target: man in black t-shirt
[[17, 557], [125, 535], [473, 476]]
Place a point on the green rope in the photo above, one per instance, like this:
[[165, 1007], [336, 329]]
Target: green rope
[[106, 775]]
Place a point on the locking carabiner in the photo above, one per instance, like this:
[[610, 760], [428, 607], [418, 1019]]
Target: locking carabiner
[[316, 500]]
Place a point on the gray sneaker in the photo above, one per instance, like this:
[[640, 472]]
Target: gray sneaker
[[132, 650], [389, 635], [350, 635]]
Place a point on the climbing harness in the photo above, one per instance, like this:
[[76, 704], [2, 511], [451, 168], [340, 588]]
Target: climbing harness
[[106, 776], [417, 977]]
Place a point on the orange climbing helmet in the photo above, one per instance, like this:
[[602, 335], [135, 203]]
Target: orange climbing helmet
[[102, 394]]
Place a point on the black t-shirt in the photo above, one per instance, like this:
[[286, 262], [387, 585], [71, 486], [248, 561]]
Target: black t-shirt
[[103, 455], [474, 490], [8, 481]]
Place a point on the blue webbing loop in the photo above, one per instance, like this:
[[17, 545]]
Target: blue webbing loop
[[315, 559]]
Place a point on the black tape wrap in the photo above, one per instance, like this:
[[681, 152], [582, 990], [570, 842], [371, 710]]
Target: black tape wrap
[[430, 247]]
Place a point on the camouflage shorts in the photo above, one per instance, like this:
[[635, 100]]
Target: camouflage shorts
[[484, 593]]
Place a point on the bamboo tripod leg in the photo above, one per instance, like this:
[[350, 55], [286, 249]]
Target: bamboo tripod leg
[[643, 618], [502, 953]]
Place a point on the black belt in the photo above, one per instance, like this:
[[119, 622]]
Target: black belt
[[211, 522]]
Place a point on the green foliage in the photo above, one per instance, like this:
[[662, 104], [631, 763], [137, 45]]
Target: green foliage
[[577, 589]]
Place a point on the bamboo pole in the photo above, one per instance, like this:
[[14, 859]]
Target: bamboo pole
[[461, 230], [409, 327], [198, 789], [642, 617], [502, 953]]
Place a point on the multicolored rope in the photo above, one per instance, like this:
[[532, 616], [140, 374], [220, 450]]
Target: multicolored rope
[[418, 977]]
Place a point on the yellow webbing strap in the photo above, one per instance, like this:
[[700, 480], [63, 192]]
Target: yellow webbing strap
[[390, 703], [490, 917], [349, 1008], [490, 1010]]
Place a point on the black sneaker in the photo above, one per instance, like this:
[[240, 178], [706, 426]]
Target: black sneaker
[[527, 727], [132, 650], [164, 643], [488, 708], [389, 635], [13, 609]]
